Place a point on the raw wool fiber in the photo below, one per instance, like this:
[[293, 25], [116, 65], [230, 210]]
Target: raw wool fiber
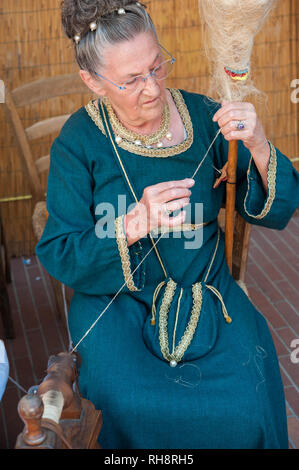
[[229, 29]]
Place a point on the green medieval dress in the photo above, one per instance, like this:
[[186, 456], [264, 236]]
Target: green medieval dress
[[225, 391]]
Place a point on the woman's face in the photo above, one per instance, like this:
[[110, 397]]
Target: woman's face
[[122, 62]]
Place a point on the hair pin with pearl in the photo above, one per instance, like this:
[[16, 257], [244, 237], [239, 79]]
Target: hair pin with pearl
[[93, 26]]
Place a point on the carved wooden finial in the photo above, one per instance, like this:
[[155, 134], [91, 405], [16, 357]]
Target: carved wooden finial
[[30, 410]]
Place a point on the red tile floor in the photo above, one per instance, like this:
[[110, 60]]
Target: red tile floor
[[272, 281]]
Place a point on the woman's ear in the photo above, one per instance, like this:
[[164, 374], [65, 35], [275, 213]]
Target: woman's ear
[[93, 84]]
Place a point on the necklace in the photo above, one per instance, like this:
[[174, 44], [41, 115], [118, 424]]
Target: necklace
[[122, 133]]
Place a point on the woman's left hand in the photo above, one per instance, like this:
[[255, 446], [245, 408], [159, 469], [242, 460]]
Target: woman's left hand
[[230, 114], [252, 136]]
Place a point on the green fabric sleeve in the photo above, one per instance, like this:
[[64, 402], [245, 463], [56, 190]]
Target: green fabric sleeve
[[69, 248], [272, 208]]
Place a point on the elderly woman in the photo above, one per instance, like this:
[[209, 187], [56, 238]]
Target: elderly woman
[[173, 351]]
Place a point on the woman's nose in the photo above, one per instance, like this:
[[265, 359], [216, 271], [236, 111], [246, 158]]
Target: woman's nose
[[151, 82]]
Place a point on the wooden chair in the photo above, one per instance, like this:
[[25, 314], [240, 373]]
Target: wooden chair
[[37, 91], [242, 230]]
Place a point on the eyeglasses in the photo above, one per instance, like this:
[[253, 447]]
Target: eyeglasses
[[160, 72]]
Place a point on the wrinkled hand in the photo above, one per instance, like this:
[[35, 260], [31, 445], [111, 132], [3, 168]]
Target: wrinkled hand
[[253, 135], [150, 213]]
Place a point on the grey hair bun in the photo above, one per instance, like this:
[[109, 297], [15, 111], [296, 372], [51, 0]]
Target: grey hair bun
[[77, 15], [112, 28]]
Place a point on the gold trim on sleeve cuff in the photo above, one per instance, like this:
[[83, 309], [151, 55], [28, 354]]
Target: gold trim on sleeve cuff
[[271, 184], [124, 253]]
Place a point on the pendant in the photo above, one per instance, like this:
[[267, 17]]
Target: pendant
[[169, 136], [173, 363]]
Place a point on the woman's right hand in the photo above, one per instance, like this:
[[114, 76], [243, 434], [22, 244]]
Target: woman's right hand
[[150, 212]]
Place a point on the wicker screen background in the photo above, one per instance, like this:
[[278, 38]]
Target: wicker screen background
[[32, 46]]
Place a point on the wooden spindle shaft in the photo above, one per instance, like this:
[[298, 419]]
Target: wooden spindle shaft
[[230, 201], [30, 410]]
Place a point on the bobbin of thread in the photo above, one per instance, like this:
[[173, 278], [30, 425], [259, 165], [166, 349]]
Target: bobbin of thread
[[30, 409]]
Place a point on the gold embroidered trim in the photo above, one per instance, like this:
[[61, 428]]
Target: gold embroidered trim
[[124, 253], [176, 320], [94, 114], [187, 337], [178, 352], [163, 152], [271, 184], [163, 318], [131, 136]]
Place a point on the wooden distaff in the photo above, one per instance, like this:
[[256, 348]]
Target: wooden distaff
[[230, 201], [55, 415], [229, 29]]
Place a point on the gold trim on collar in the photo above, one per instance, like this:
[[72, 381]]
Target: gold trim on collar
[[123, 133], [94, 114], [163, 152]]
